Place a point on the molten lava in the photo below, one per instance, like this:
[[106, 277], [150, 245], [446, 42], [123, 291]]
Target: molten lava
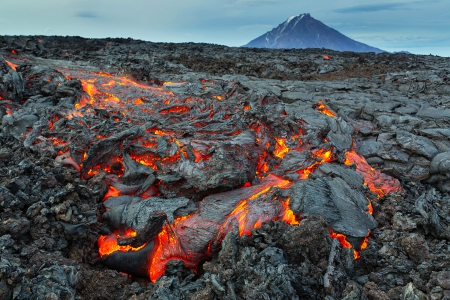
[[169, 242], [322, 157], [325, 110], [241, 212], [342, 238], [11, 65], [379, 183], [112, 192], [280, 148], [289, 216], [107, 244]]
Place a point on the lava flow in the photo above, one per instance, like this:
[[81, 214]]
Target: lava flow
[[198, 167]]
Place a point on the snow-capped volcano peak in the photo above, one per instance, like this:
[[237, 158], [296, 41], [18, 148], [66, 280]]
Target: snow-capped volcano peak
[[303, 31], [290, 18]]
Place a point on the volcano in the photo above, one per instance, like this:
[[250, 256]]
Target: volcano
[[303, 31]]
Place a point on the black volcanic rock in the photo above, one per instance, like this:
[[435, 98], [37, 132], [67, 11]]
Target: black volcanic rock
[[303, 31]]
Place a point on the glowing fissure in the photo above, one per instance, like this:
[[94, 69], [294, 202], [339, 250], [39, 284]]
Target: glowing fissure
[[112, 192]]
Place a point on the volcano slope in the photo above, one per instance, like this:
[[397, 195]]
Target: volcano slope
[[138, 170]]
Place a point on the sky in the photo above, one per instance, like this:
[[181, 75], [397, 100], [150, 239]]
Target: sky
[[420, 27]]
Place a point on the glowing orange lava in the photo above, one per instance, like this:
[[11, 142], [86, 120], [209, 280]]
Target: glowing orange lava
[[168, 246], [11, 65], [159, 132], [107, 244], [247, 221], [112, 192], [342, 238], [369, 208], [289, 216], [138, 101], [174, 83], [74, 114], [364, 243], [175, 109], [325, 110], [324, 156], [280, 148], [376, 181]]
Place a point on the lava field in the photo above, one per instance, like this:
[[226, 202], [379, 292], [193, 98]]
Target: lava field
[[139, 170]]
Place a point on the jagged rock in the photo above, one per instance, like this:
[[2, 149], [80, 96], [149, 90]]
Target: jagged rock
[[412, 293], [55, 282]]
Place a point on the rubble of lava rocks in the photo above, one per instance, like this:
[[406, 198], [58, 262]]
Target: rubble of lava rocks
[[284, 174]]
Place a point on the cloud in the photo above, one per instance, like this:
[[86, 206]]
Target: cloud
[[371, 7], [384, 6], [397, 42], [86, 15]]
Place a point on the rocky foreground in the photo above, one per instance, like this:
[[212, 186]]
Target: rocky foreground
[[396, 108]]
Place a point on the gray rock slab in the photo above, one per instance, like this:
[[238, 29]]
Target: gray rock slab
[[343, 208], [441, 164], [340, 134], [294, 96], [434, 113], [437, 133], [416, 144]]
